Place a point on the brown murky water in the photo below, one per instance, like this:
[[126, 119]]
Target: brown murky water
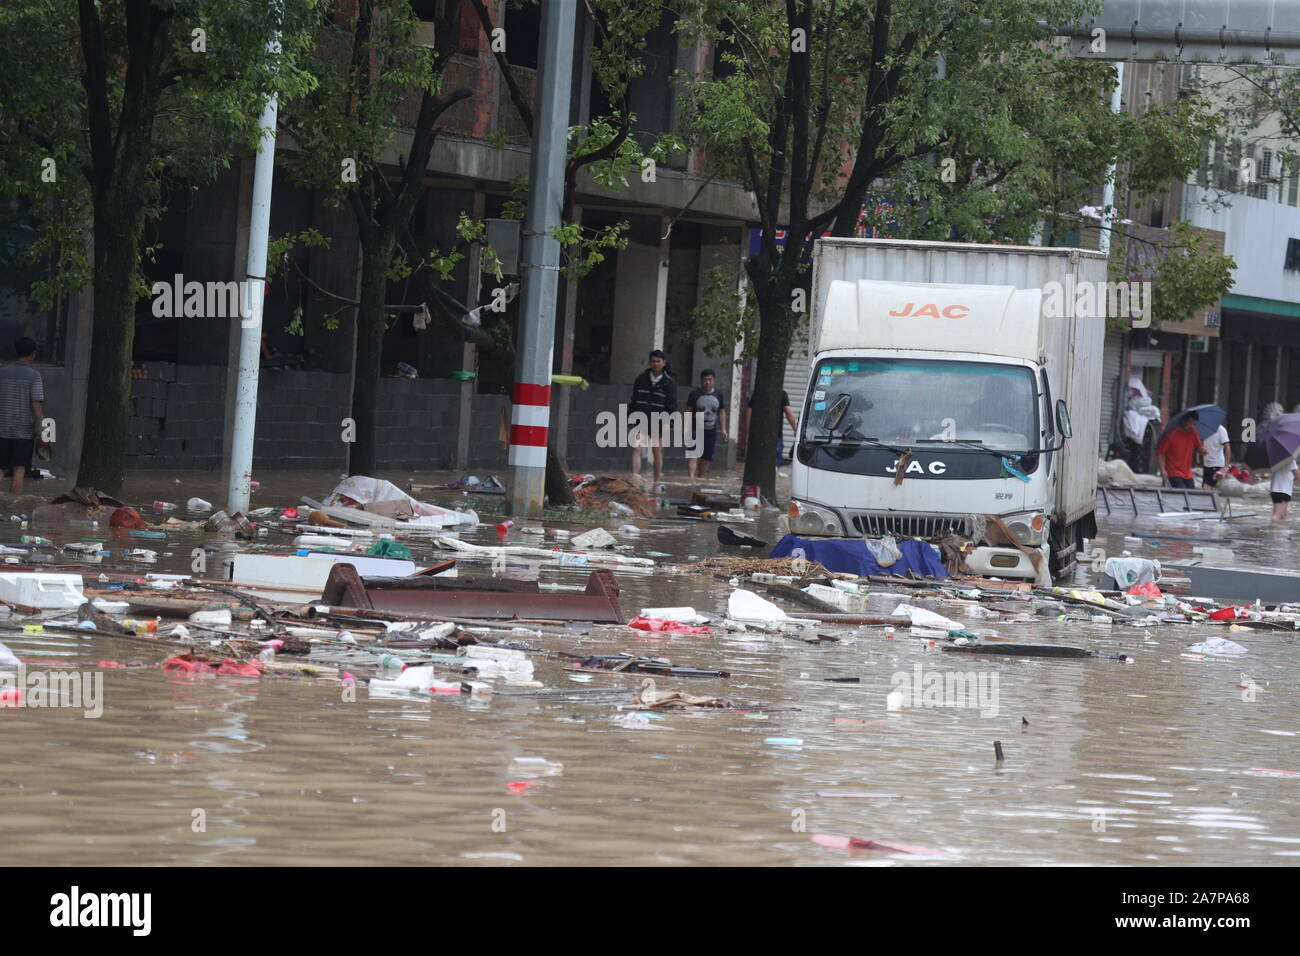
[[1159, 762]]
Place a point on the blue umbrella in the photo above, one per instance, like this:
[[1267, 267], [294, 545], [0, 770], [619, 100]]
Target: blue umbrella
[[1209, 418], [1277, 440]]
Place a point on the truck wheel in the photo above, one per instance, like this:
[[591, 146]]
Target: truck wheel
[[1064, 543]]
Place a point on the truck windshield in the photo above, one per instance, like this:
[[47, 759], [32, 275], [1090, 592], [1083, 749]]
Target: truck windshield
[[918, 401]]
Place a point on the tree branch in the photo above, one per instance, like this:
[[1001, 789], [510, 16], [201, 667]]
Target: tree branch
[[516, 94], [684, 209]]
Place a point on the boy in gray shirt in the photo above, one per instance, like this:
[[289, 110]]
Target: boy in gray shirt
[[21, 395]]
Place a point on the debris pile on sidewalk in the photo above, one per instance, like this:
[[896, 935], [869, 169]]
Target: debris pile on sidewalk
[[618, 496]]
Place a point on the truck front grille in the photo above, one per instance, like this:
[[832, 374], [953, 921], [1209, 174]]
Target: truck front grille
[[878, 524]]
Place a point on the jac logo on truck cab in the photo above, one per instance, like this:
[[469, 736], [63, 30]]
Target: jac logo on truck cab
[[933, 311], [916, 468]]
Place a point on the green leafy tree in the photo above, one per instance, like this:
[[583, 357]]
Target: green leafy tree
[[929, 119], [98, 102], [605, 146], [365, 64]]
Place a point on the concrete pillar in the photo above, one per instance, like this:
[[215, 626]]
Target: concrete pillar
[[1279, 371], [640, 295], [469, 351], [1283, 376], [1219, 389], [1251, 384]]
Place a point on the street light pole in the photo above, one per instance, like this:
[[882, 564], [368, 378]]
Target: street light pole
[[252, 297], [530, 412]]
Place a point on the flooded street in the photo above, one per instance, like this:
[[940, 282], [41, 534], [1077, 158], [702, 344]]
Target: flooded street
[[1159, 762]]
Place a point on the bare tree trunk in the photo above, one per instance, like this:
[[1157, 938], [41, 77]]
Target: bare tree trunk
[[117, 241], [557, 487], [376, 254], [775, 334]]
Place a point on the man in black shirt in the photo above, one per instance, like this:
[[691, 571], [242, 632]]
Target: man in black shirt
[[654, 391]]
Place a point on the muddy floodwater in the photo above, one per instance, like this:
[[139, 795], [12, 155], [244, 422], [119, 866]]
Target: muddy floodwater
[[1162, 761]]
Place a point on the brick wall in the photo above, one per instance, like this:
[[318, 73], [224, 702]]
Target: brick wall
[[178, 419], [177, 422]]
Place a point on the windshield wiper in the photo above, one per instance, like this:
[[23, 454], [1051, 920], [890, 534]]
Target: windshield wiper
[[966, 443], [827, 439]]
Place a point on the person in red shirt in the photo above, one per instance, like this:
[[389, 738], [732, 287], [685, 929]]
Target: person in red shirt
[[1176, 451]]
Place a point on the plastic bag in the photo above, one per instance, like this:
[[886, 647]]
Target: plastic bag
[[884, 550], [388, 548]]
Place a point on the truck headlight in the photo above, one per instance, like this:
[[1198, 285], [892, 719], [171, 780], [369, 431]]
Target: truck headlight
[[811, 519], [1028, 528]]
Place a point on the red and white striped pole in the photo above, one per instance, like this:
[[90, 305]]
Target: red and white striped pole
[[530, 416], [530, 420]]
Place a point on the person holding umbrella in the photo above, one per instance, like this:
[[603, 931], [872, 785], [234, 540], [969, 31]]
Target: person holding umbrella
[[1176, 449], [1199, 428], [1274, 451]]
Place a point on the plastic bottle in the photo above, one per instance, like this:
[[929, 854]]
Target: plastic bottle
[[36, 541], [164, 506], [141, 627], [387, 662]]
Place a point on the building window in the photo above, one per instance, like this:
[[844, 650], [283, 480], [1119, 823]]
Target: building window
[[1225, 170], [428, 12], [1207, 160], [1292, 263], [523, 26]]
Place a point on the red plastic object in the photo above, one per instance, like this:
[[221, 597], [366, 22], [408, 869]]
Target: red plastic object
[[520, 787], [503, 528], [857, 843], [185, 665], [241, 670], [108, 664], [671, 627], [11, 698], [1224, 614], [289, 514], [127, 518], [1145, 589]]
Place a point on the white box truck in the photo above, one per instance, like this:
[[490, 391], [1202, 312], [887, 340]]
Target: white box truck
[[954, 392]]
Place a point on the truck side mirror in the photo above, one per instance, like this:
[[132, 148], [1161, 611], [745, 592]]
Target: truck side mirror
[[835, 414], [1063, 419]]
